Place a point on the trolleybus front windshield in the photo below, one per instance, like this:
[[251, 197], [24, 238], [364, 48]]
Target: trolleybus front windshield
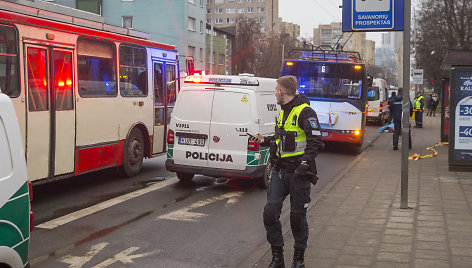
[[327, 80]]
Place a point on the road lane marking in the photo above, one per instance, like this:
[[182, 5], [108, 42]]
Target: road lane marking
[[184, 214], [79, 261], [104, 205], [125, 258]]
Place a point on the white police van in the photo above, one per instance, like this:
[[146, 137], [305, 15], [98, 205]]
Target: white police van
[[211, 124], [15, 191]]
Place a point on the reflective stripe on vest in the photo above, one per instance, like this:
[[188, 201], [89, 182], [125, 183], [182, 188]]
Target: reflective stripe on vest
[[418, 103], [300, 139]]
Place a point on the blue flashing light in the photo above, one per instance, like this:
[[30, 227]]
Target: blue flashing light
[[302, 86]]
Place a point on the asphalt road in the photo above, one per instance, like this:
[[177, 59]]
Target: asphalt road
[[152, 220]]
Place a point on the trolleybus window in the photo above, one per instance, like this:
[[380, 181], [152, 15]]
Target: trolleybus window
[[9, 62], [63, 80], [96, 67], [133, 72], [159, 94], [171, 89], [37, 79], [327, 80]]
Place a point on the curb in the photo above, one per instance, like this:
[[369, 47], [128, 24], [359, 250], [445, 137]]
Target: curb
[[264, 248]]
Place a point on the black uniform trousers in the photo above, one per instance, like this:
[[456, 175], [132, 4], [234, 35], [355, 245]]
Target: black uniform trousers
[[397, 125], [419, 118], [283, 183]]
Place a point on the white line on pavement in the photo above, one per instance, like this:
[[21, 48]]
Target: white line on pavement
[[104, 205]]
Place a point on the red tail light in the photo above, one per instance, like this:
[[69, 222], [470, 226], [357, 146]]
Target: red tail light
[[252, 145], [170, 136], [30, 190]]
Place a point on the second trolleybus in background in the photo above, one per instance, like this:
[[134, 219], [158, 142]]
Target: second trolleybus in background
[[335, 83], [87, 95]]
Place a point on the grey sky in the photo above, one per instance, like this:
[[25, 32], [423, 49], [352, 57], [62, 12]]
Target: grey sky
[[310, 13]]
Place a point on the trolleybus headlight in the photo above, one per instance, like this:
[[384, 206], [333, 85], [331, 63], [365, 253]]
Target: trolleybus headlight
[[357, 132], [357, 67], [289, 63]]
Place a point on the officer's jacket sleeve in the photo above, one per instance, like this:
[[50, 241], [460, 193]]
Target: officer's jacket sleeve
[[267, 140], [308, 121]]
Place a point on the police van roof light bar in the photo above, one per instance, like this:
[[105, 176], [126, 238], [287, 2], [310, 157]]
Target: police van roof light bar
[[222, 80]]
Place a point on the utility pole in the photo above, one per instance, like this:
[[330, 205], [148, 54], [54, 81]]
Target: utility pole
[[211, 48], [406, 103]]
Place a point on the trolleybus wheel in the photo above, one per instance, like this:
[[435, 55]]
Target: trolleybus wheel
[[263, 182], [133, 154]]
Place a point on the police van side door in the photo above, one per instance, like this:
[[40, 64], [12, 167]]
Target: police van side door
[[230, 121], [191, 124]]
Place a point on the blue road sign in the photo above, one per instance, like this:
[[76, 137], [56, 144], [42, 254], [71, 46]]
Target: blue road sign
[[372, 15]]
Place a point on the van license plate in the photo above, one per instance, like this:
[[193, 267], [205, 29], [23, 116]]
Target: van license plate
[[324, 134], [191, 141]]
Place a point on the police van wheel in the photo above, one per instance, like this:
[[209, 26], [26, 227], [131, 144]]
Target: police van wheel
[[133, 153], [185, 177], [263, 182]]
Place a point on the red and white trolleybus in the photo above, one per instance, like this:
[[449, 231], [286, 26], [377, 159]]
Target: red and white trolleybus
[[88, 96]]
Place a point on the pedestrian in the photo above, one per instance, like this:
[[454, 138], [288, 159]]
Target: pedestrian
[[429, 105], [293, 149], [397, 112], [390, 117], [435, 104], [419, 108]]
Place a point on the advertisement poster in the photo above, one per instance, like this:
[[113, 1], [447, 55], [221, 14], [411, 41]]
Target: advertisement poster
[[461, 122], [445, 96]]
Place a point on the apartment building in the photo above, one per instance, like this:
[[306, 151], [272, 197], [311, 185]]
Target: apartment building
[[332, 35], [223, 13]]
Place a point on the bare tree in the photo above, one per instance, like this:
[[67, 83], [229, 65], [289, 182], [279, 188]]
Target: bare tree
[[441, 25], [248, 34]]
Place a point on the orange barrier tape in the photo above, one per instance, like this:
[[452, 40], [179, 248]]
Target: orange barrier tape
[[435, 153]]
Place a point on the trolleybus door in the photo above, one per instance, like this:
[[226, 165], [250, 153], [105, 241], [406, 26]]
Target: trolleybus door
[[50, 137], [159, 108]]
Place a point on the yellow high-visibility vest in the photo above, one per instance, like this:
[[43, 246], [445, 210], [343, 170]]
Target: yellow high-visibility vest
[[291, 124]]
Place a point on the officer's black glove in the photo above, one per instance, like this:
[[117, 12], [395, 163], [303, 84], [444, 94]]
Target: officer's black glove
[[302, 171]]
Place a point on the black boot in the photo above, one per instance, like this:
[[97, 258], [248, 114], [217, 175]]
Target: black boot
[[298, 258], [277, 258]]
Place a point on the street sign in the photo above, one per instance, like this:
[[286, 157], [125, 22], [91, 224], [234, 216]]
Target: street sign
[[417, 76], [372, 15]]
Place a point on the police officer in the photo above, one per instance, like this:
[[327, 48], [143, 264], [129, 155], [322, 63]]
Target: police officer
[[296, 143], [395, 107], [419, 107]]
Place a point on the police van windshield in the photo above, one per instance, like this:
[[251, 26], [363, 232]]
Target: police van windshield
[[327, 80]]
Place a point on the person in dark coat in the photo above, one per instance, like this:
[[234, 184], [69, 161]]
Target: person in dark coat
[[396, 109]]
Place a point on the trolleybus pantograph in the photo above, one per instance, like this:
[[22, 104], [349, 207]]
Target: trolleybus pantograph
[[86, 98], [335, 82]]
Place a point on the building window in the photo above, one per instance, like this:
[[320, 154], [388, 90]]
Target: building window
[[221, 59], [230, 20], [326, 31], [191, 51], [230, 10], [208, 10], [249, 10], [127, 22], [191, 24], [219, 1], [218, 11], [208, 1], [121, 0], [260, 1], [261, 9], [230, 1], [209, 21], [201, 26], [249, 1], [191, 1], [218, 21], [201, 3], [241, 10], [260, 20], [201, 54], [262, 30], [240, 1]]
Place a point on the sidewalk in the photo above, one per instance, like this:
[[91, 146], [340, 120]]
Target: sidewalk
[[356, 221]]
